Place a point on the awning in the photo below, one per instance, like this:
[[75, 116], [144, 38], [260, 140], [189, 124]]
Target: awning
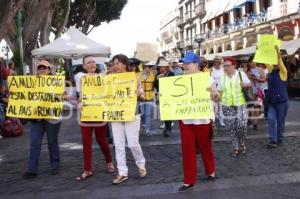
[[222, 8], [291, 47], [239, 3], [207, 17], [245, 51], [230, 6]]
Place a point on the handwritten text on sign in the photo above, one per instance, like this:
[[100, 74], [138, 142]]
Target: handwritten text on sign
[[266, 52], [36, 97], [109, 98], [185, 97]]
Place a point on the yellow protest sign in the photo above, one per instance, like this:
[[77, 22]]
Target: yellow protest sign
[[266, 52], [35, 97], [108, 98], [185, 97]]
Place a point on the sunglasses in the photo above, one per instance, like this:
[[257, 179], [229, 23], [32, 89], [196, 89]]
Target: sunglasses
[[42, 67]]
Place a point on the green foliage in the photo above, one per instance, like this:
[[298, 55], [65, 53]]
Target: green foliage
[[92, 12]]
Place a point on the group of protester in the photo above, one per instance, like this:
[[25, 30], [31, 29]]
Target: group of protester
[[230, 86]]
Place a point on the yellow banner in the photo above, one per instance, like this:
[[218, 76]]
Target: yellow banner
[[266, 52], [36, 97], [108, 98], [185, 97]]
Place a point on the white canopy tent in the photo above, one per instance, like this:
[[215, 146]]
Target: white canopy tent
[[72, 44]]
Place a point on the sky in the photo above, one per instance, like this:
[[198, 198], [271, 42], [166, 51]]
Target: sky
[[139, 22]]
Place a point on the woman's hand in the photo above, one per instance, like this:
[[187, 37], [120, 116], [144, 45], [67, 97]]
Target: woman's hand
[[214, 93]]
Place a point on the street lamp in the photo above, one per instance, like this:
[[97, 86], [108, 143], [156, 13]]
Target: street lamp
[[5, 50], [199, 41]]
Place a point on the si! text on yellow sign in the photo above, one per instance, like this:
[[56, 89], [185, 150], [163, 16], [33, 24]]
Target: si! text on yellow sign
[[185, 97], [36, 97], [108, 98]]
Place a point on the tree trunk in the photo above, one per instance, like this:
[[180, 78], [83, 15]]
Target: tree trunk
[[65, 20], [8, 11]]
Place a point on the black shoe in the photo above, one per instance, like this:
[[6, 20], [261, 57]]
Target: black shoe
[[211, 178], [272, 145], [280, 144], [54, 171], [29, 175], [166, 133], [184, 188]]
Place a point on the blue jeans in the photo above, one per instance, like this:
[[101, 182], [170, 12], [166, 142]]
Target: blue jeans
[[146, 109], [37, 132], [276, 115]]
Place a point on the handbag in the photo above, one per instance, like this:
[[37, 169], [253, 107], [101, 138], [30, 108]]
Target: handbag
[[246, 93]]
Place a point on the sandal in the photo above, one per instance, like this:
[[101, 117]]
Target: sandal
[[110, 168], [235, 153], [243, 149], [85, 175], [142, 172]]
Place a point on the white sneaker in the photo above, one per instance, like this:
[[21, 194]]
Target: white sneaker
[[1, 136], [222, 124], [162, 126]]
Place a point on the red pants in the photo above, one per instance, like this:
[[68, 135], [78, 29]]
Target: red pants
[[100, 133], [193, 136]]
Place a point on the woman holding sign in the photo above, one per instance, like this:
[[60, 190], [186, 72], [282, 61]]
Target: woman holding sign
[[234, 104], [278, 101], [37, 131], [196, 134], [129, 131], [87, 128]]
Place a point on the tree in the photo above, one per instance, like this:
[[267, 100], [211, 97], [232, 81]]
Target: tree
[[86, 14], [8, 11], [41, 17]]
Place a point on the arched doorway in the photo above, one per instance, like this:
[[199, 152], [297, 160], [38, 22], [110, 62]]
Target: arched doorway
[[239, 46], [286, 34], [219, 49], [251, 41], [228, 47]]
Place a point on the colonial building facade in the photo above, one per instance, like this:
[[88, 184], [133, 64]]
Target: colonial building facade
[[215, 26]]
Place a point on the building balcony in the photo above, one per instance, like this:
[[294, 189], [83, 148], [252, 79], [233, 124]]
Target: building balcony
[[179, 21], [180, 45], [188, 15], [238, 25], [200, 10]]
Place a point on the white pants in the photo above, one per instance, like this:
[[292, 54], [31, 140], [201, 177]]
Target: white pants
[[129, 131]]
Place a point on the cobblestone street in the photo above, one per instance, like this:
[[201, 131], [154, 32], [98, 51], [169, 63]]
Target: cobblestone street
[[259, 167]]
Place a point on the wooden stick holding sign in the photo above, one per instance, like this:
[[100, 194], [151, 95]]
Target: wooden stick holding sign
[[185, 97]]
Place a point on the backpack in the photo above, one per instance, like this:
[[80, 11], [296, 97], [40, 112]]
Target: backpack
[[11, 127]]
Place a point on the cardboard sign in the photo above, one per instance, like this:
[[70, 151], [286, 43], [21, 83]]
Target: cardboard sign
[[108, 98], [185, 97], [266, 52], [36, 97]]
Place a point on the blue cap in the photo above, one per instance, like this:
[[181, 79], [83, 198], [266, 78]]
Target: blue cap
[[190, 57]]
